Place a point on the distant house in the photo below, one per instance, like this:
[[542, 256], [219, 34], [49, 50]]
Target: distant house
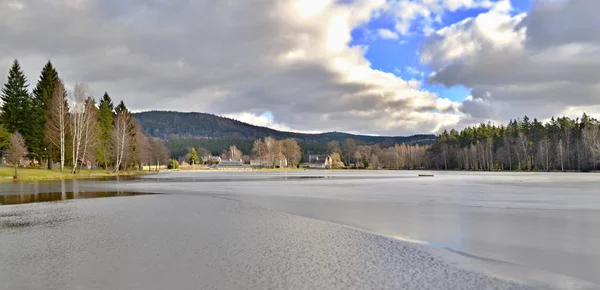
[[208, 160], [319, 161], [230, 164], [269, 163]]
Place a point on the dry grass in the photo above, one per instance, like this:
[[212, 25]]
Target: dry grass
[[6, 174]]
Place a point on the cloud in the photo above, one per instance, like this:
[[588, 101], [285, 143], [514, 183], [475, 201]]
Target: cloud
[[423, 15], [234, 58], [414, 71], [387, 34], [259, 120], [541, 64]]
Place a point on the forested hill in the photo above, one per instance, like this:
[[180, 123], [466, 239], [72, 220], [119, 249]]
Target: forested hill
[[176, 125]]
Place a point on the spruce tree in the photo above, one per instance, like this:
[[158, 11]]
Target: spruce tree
[[121, 108], [17, 104], [105, 122], [42, 95]]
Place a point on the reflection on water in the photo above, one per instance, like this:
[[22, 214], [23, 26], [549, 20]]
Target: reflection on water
[[56, 196]]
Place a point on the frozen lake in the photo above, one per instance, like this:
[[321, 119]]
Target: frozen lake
[[524, 227]]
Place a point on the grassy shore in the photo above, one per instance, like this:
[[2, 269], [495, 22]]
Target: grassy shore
[[6, 174]]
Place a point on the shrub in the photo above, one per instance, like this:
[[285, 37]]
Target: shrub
[[173, 164]]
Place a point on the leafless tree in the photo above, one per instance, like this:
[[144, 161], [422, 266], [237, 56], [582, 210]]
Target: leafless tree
[[235, 153], [121, 138], [591, 139], [143, 148], [291, 151], [159, 153], [560, 148], [16, 151], [524, 142], [334, 147], [260, 150], [83, 124], [269, 152], [374, 162], [57, 121]]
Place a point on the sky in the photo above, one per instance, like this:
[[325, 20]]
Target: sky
[[380, 67]]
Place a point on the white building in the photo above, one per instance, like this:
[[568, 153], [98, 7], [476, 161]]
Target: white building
[[269, 163], [319, 161], [230, 164]]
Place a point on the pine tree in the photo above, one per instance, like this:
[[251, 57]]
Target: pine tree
[[17, 104], [105, 122], [42, 95], [193, 156], [15, 99], [121, 108]]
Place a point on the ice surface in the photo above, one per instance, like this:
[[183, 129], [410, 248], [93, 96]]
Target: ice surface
[[547, 222]]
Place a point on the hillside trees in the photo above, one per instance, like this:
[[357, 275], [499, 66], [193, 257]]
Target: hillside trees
[[559, 144]]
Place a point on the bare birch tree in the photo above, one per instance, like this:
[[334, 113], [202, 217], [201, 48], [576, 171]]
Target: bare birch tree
[[121, 137], [235, 153], [591, 139], [57, 121], [83, 122]]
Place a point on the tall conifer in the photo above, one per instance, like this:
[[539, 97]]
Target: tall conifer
[[17, 104], [42, 95], [105, 122]]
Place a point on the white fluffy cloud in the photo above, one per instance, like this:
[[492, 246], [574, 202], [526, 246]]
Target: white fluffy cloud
[[427, 13], [541, 64], [237, 58], [387, 34]]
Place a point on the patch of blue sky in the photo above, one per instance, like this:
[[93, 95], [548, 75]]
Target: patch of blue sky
[[521, 6], [268, 115], [400, 56]]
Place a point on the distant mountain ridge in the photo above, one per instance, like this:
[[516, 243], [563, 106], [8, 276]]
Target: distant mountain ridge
[[170, 125]]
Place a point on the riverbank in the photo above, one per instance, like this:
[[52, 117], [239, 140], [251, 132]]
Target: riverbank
[[6, 174]]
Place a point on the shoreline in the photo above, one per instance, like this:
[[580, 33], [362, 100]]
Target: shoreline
[[28, 175]]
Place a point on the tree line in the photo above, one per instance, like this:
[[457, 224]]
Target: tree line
[[561, 144], [53, 124], [351, 153]]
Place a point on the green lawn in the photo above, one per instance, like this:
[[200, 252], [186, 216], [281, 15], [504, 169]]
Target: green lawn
[[6, 174]]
